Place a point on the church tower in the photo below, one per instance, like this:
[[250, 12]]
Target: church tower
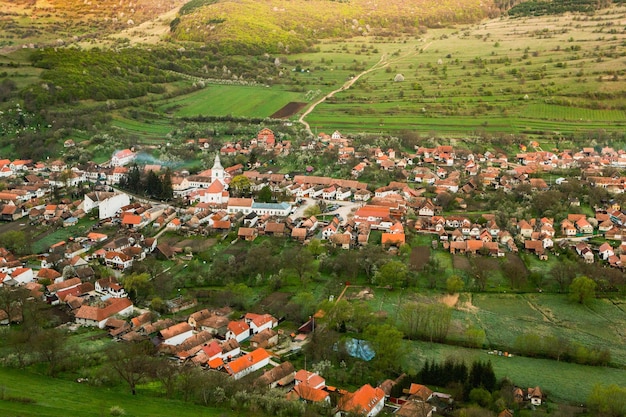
[[217, 172]]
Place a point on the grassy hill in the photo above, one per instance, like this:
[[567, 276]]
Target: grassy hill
[[253, 26], [61, 22]]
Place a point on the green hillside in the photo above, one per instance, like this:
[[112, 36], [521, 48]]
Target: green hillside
[[252, 26]]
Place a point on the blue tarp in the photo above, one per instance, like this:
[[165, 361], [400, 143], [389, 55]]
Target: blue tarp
[[360, 349]]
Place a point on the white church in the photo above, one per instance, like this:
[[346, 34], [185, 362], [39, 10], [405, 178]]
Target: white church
[[217, 192]]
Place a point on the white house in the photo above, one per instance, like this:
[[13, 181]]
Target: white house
[[110, 286], [107, 203], [238, 330], [247, 364], [123, 157], [176, 334], [97, 316], [22, 275], [260, 322]]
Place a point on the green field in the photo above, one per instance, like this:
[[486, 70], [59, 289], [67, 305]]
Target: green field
[[150, 131], [234, 100], [42, 243], [559, 380], [504, 317], [56, 397]]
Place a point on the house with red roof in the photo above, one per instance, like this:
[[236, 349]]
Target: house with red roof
[[97, 316], [118, 260], [260, 322], [123, 157], [311, 379], [176, 334], [366, 401], [110, 286], [22, 275], [309, 394], [51, 274], [247, 364], [238, 330], [373, 215]]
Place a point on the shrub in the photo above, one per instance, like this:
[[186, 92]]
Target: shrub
[[116, 410]]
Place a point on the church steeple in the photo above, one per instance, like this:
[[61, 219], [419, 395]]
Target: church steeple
[[217, 172]]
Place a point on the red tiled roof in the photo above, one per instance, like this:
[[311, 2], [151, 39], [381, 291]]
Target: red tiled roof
[[247, 361], [114, 306], [238, 327], [308, 393], [362, 401]]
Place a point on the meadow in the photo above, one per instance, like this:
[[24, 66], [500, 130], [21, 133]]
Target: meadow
[[561, 381], [28, 394]]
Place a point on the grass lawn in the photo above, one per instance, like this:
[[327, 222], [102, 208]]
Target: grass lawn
[[42, 243], [560, 380], [55, 397]]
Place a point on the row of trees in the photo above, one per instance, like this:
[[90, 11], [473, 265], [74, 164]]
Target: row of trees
[[559, 348], [149, 184]]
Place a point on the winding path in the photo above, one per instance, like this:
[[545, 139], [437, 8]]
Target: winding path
[[381, 63]]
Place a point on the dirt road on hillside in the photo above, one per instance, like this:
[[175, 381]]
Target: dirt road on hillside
[[380, 64]]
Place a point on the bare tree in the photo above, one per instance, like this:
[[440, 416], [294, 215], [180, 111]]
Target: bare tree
[[131, 362]]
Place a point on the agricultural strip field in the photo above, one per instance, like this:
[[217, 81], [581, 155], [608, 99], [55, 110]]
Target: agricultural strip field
[[501, 76], [148, 131], [57, 397], [559, 380], [234, 100], [504, 317]]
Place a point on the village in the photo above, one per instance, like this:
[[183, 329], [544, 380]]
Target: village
[[343, 213]]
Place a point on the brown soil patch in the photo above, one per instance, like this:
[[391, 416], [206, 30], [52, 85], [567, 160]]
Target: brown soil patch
[[288, 110], [196, 245], [461, 262], [273, 300], [419, 257]]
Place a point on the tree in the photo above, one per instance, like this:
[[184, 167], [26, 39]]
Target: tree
[[154, 185], [167, 189], [300, 261], [138, 286], [133, 179], [370, 258], [454, 284], [392, 274], [312, 210], [16, 241], [303, 305], [563, 273], [516, 271], [19, 341], [265, 194], [386, 341], [480, 396], [582, 290], [132, 362], [166, 372], [610, 400], [240, 185], [50, 346], [315, 247], [481, 375], [12, 300]]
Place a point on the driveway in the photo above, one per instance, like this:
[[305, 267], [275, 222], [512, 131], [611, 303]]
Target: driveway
[[346, 208]]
